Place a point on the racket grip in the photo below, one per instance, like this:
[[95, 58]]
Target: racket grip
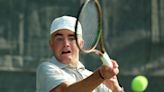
[[106, 60]]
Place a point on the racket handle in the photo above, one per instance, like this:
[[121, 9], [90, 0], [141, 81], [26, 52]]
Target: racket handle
[[106, 60]]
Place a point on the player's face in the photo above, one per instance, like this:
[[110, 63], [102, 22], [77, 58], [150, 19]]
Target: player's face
[[64, 46]]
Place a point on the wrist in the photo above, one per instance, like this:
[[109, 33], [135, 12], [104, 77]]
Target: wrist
[[100, 75]]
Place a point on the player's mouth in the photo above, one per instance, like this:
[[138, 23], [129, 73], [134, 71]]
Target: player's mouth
[[66, 52]]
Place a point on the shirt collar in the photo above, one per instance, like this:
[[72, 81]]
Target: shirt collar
[[61, 65]]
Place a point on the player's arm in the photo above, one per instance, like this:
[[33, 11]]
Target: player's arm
[[86, 85], [90, 83]]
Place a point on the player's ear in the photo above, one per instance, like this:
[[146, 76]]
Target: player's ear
[[50, 42], [81, 43]]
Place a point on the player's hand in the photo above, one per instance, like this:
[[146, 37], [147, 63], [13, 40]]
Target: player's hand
[[110, 77], [108, 72], [113, 84]]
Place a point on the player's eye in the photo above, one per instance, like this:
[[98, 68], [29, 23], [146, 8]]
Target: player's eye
[[71, 38], [59, 39]]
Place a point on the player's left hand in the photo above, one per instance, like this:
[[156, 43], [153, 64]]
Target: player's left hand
[[113, 83]]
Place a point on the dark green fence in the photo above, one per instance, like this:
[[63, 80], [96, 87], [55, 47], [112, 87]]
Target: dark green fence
[[134, 37]]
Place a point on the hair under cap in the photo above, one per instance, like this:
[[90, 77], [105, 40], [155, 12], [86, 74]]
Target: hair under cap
[[65, 22]]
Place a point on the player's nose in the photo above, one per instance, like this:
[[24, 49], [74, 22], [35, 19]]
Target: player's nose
[[66, 42]]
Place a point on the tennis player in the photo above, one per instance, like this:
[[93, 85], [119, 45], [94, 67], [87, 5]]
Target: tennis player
[[64, 72]]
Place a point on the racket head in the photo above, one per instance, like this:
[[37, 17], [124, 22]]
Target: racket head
[[90, 18]]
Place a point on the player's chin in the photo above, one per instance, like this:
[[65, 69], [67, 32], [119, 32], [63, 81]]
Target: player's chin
[[66, 58]]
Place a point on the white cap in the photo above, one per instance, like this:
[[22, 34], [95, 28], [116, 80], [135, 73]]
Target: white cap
[[65, 22]]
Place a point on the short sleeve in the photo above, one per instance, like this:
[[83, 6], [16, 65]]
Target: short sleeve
[[48, 77]]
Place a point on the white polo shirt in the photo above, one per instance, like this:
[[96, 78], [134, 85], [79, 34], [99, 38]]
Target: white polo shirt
[[52, 73]]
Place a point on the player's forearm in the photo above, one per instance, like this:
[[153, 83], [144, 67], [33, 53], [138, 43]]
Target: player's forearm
[[86, 85]]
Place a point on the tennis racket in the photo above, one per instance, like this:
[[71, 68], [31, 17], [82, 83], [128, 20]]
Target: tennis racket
[[91, 20]]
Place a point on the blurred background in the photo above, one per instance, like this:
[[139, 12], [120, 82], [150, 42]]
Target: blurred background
[[134, 37]]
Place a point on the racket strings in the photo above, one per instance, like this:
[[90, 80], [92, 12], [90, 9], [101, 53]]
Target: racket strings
[[89, 19]]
